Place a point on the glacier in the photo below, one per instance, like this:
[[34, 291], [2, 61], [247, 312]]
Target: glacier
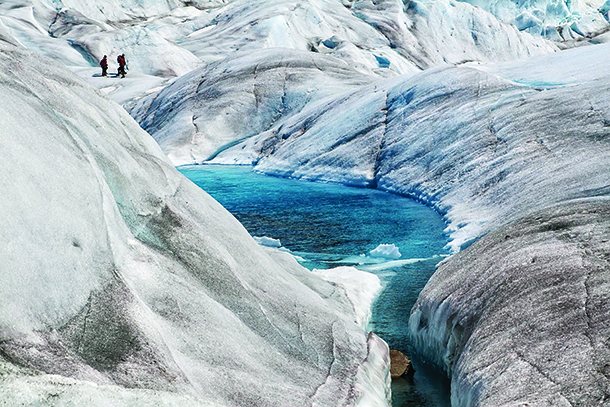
[[406, 135], [515, 156], [260, 80], [123, 282], [468, 107]]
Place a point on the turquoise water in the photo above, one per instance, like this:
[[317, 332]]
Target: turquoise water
[[329, 225]]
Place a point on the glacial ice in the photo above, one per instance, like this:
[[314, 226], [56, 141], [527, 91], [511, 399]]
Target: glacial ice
[[360, 287], [123, 282], [253, 82], [526, 323], [515, 156], [386, 251], [244, 95], [556, 20], [404, 136]]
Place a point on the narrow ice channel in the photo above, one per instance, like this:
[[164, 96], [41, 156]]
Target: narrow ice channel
[[327, 226]]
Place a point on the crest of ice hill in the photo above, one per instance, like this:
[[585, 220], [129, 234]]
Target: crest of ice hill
[[515, 155], [123, 282], [260, 81]]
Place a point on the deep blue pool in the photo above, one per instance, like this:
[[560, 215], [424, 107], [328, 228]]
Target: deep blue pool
[[329, 225]]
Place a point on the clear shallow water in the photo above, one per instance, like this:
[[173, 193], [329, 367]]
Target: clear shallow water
[[329, 225]]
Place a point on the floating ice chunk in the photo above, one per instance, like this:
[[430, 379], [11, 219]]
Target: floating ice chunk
[[386, 251], [268, 241]]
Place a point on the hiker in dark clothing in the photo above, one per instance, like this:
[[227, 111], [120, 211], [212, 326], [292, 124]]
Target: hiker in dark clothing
[[104, 65], [121, 60]]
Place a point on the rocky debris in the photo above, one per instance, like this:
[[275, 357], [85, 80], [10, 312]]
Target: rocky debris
[[400, 365]]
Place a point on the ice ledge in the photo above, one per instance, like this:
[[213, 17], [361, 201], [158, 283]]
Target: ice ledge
[[519, 316], [372, 382]]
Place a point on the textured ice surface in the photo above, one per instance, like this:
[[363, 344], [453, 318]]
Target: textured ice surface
[[515, 152], [266, 70], [554, 19], [521, 317], [133, 285]]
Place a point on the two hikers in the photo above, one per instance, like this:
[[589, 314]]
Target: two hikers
[[122, 65]]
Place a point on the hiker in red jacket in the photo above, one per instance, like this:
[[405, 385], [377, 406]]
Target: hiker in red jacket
[[104, 65], [121, 60]]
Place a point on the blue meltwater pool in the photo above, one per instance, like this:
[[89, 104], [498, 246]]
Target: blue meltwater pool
[[330, 225]]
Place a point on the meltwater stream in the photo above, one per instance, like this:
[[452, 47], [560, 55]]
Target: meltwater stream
[[329, 225]]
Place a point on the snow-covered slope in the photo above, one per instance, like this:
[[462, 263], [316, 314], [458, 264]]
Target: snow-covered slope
[[123, 282], [518, 317], [261, 81]]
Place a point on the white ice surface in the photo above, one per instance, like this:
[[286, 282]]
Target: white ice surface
[[268, 241], [554, 19], [24, 388], [481, 143], [117, 271], [361, 288], [386, 251]]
